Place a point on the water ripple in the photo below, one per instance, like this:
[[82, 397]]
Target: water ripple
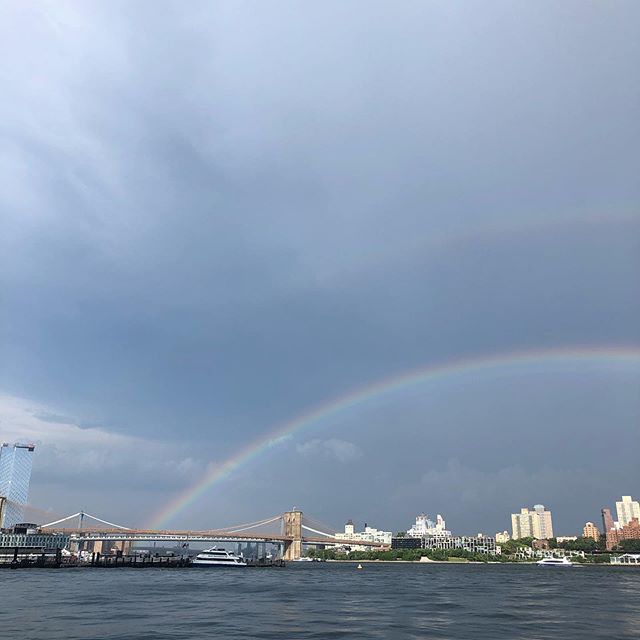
[[323, 601]]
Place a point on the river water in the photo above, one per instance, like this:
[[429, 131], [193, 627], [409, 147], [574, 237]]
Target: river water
[[426, 601]]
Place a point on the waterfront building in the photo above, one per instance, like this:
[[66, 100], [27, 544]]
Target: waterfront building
[[591, 531], [34, 539], [630, 531], [370, 534], [15, 475], [426, 527], [627, 558], [474, 544], [502, 537], [406, 542], [561, 539], [534, 523], [627, 509]]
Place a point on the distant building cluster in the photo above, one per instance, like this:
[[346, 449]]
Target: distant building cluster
[[427, 534], [426, 527], [537, 524], [626, 527], [370, 534]]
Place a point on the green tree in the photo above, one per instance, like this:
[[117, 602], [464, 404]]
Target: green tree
[[580, 544], [511, 547], [630, 546]]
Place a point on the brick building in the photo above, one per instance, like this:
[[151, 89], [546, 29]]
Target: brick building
[[630, 531]]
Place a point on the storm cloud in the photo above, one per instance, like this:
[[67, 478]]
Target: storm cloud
[[216, 216]]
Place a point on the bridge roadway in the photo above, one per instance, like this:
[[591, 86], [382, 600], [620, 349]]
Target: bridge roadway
[[141, 535], [135, 535]]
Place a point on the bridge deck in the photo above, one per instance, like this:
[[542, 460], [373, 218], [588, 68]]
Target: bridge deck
[[142, 535]]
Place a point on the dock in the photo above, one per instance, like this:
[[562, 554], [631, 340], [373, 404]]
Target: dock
[[29, 558], [138, 562]]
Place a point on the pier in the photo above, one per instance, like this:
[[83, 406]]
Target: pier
[[33, 558], [29, 557]]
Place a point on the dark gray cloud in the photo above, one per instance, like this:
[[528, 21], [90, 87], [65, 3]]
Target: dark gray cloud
[[217, 216]]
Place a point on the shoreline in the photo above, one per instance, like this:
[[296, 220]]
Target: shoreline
[[427, 562], [420, 562]]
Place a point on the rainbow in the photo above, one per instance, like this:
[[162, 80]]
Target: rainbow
[[576, 358]]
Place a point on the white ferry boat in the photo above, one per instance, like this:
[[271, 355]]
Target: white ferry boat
[[555, 562], [218, 558]]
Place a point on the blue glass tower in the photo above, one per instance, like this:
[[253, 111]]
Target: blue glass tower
[[15, 475]]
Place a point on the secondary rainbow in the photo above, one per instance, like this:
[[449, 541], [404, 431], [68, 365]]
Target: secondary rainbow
[[573, 357]]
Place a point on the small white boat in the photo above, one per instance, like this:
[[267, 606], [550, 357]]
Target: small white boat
[[555, 562], [218, 558]]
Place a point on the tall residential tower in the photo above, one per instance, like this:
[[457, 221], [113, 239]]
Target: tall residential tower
[[627, 509], [607, 520], [15, 476], [534, 523]]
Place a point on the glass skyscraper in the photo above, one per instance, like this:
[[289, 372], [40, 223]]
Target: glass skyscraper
[[15, 474]]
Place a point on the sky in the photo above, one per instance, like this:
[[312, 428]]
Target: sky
[[218, 216]]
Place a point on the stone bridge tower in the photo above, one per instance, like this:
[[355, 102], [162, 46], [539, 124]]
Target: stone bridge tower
[[292, 527]]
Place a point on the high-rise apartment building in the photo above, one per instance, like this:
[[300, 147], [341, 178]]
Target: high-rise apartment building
[[534, 523], [15, 476], [607, 520], [627, 509], [591, 531]]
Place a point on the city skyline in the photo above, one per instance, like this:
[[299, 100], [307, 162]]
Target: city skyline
[[528, 523], [249, 254]]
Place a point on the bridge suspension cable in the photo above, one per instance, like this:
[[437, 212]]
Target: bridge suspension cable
[[254, 526], [88, 515], [51, 524], [309, 521], [322, 533], [239, 527]]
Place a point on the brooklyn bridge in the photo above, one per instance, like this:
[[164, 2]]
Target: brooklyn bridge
[[290, 532]]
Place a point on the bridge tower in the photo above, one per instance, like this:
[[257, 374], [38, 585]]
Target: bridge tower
[[292, 527]]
